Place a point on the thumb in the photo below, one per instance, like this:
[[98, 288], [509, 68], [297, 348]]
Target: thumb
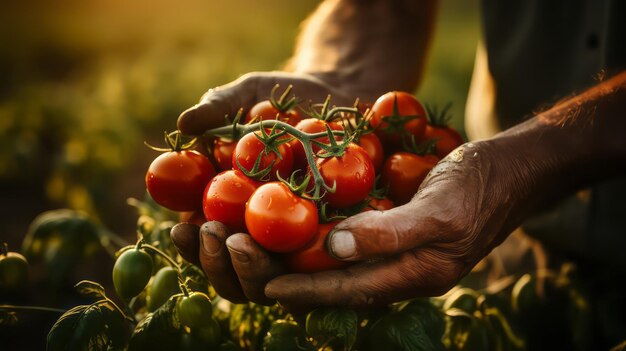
[[217, 103], [376, 234]]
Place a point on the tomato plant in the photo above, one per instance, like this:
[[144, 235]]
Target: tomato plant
[[397, 115], [223, 153], [131, 272], [403, 172], [352, 174], [176, 179], [313, 257], [279, 220], [225, 199], [250, 147], [194, 310]]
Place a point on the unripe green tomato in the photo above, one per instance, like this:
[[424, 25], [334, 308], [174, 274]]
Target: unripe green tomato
[[164, 285], [131, 273], [465, 299], [195, 310], [13, 272]]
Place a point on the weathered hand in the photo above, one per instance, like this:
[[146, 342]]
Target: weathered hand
[[254, 87]]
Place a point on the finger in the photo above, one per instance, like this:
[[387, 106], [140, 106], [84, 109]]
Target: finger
[[185, 238], [254, 267], [215, 262], [422, 272], [222, 101]]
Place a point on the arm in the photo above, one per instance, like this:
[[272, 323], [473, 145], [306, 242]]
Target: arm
[[469, 203], [348, 48]]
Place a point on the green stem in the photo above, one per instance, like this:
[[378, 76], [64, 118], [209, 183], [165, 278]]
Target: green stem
[[164, 256], [31, 308]]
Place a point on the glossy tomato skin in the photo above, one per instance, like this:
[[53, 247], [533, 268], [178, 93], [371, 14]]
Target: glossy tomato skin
[[404, 172], [265, 111], [311, 126], [313, 257], [196, 217], [353, 173], [225, 199], [447, 138], [176, 179], [194, 310], [374, 148], [131, 272], [223, 153], [408, 105], [250, 147], [279, 220]]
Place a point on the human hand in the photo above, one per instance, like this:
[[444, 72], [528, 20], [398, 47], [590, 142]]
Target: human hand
[[254, 87]]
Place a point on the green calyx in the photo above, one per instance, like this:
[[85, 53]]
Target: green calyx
[[427, 147], [175, 141], [396, 122], [439, 118], [284, 102]]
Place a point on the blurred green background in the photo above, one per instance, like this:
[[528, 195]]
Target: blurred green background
[[84, 83]]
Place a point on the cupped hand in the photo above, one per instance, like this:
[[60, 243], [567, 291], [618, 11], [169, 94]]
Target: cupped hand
[[463, 210], [254, 87]]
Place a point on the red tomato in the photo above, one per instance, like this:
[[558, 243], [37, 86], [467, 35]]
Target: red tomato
[[279, 220], [447, 138], [225, 199], [196, 217], [250, 147], [390, 132], [353, 173], [265, 111], [404, 172], [176, 179], [312, 126], [313, 257], [383, 204], [223, 153], [374, 148]]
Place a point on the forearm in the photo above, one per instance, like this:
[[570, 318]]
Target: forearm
[[579, 141], [366, 47]]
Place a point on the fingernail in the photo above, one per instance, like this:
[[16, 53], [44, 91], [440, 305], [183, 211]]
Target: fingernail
[[210, 244], [342, 244], [238, 255]]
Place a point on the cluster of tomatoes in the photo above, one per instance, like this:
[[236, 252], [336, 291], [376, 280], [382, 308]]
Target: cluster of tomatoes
[[287, 179]]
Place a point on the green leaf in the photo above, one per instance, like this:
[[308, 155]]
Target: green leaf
[[89, 288], [400, 331], [250, 322], [88, 327], [328, 323], [286, 335], [431, 317], [159, 330]]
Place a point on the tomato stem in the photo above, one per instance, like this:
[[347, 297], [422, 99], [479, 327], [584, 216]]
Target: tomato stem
[[165, 256]]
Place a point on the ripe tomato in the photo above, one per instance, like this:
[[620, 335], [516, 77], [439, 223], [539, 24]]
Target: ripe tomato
[[374, 148], [353, 173], [196, 217], [383, 204], [250, 147], [225, 199], [404, 172], [131, 272], [223, 153], [310, 125], [194, 311], [279, 220], [313, 257], [447, 138], [176, 179], [266, 111], [391, 127]]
